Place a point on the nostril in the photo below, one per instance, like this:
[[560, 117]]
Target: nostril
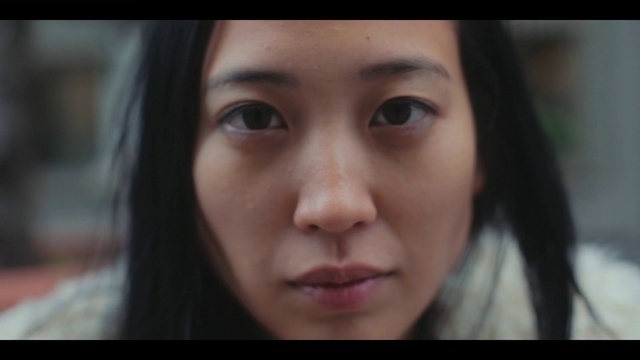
[[334, 209], [334, 227]]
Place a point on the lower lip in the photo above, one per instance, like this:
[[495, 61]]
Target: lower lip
[[343, 297]]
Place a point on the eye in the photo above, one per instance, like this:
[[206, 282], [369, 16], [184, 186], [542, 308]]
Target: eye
[[252, 117], [400, 111]]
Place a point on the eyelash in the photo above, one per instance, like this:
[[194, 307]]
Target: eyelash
[[412, 103], [240, 112]]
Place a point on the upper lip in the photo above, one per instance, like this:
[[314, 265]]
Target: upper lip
[[336, 275]]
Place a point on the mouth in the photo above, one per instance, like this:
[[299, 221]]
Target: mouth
[[340, 288]]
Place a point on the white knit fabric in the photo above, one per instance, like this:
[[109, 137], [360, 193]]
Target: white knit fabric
[[611, 286], [84, 308]]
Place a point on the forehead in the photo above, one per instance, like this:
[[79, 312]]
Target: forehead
[[311, 46]]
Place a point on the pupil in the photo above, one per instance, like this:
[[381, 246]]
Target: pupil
[[397, 113], [256, 117]]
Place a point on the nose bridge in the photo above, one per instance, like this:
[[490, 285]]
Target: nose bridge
[[334, 150], [334, 195]]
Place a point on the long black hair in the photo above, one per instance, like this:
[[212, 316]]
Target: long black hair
[[172, 291]]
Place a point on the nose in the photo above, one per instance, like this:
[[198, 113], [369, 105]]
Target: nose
[[334, 210], [334, 196]]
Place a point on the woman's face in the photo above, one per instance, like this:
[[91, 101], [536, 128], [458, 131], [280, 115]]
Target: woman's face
[[335, 169]]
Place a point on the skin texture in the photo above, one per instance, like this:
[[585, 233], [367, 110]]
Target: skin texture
[[330, 182]]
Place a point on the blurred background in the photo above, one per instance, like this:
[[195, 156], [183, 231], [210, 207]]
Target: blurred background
[[59, 83]]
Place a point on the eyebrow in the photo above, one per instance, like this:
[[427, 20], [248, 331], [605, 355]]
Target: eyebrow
[[376, 71], [252, 77], [403, 66]]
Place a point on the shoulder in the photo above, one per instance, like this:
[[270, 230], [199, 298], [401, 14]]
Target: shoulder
[[610, 285], [84, 308]]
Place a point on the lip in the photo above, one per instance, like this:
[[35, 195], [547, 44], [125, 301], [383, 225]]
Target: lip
[[341, 288]]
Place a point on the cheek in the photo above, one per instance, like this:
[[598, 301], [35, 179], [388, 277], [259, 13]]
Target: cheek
[[239, 213], [431, 204], [222, 206]]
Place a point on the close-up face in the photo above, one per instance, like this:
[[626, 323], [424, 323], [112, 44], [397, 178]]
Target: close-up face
[[335, 169]]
